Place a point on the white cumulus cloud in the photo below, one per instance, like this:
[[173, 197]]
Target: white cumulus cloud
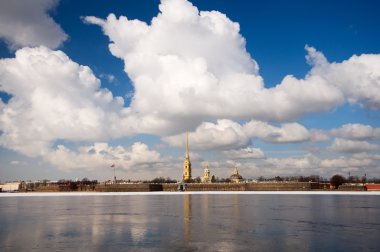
[[194, 65], [226, 134], [319, 135], [358, 78], [290, 163], [188, 65], [348, 162], [53, 98], [245, 153], [351, 146], [355, 131], [189, 68], [287, 133], [102, 156], [27, 23]]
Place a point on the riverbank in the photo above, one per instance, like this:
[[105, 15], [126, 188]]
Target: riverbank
[[194, 187]]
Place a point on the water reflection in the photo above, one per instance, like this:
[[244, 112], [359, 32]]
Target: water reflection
[[186, 217], [190, 222]]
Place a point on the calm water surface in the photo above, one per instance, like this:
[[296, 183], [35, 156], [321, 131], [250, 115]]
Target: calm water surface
[[190, 223]]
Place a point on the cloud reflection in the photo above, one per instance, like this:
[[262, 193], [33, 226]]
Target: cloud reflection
[[189, 222]]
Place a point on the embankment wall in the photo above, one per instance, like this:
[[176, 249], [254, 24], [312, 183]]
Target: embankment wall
[[261, 186], [128, 188], [266, 186]]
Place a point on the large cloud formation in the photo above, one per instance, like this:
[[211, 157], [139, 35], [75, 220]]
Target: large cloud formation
[[26, 23], [227, 134], [355, 131], [245, 153], [350, 146], [101, 155], [189, 65], [189, 69], [53, 98]]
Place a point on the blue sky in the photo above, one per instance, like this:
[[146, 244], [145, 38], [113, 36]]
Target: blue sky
[[235, 75]]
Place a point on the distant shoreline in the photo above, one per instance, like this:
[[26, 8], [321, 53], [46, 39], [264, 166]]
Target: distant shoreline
[[210, 188], [42, 194]]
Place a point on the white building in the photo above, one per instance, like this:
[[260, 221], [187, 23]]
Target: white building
[[206, 175], [10, 187]]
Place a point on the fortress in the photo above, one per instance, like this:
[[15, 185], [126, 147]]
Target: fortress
[[187, 184]]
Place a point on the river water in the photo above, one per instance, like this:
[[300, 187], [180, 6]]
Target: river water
[[190, 222]]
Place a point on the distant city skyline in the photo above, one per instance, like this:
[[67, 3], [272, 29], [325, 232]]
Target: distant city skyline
[[275, 88]]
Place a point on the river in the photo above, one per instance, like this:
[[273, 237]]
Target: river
[[190, 222]]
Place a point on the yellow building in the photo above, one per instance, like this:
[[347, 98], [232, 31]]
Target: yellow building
[[186, 163], [206, 175]]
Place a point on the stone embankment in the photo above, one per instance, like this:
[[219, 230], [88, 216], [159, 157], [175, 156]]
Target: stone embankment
[[128, 188], [264, 186], [60, 188], [260, 186]]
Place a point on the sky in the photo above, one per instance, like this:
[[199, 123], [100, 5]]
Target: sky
[[275, 88]]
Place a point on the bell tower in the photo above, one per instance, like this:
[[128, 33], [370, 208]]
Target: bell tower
[[186, 162], [206, 175]]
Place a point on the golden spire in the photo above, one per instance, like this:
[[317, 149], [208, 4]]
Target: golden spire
[[186, 162], [187, 145]]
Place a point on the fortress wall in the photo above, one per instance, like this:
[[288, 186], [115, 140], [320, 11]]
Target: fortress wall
[[216, 187], [262, 186], [61, 188], [47, 188], [351, 188], [128, 188], [283, 186], [169, 187]]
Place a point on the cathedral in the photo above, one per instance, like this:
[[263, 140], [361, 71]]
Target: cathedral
[[236, 177], [186, 176]]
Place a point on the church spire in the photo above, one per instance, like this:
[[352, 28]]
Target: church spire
[[186, 163], [187, 145]]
